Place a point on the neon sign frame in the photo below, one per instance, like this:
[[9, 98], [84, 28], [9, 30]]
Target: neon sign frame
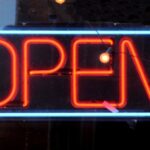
[[73, 114]]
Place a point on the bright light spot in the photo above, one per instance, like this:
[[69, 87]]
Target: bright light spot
[[60, 1], [104, 58]]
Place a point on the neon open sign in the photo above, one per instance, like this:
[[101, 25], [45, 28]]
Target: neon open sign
[[64, 73]]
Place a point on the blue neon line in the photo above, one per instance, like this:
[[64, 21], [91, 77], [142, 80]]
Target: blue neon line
[[75, 115], [75, 32]]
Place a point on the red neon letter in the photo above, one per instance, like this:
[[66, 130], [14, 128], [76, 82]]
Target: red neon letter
[[90, 72], [14, 81], [127, 44], [27, 72]]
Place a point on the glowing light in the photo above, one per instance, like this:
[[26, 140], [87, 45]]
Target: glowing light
[[127, 44], [74, 115], [60, 2], [76, 32], [14, 82], [104, 58], [26, 73], [88, 72]]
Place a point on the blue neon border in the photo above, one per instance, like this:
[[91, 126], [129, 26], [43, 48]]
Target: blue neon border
[[75, 114], [75, 32]]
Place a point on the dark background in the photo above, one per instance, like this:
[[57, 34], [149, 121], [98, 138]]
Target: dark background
[[78, 134]]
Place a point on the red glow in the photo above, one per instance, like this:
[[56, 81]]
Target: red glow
[[90, 72], [127, 44], [14, 82], [27, 72]]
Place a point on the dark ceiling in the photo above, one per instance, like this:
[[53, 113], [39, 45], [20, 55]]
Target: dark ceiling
[[101, 11]]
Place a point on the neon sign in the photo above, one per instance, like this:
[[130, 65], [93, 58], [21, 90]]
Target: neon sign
[[58, 73]]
